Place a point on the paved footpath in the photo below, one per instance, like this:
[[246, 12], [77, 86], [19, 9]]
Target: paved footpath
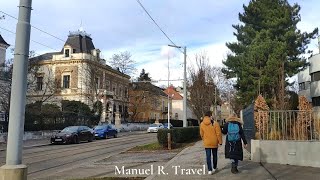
[[194, 158], [29, 143]]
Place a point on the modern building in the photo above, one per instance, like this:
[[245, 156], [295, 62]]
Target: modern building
[[309, 81], [79, 73]]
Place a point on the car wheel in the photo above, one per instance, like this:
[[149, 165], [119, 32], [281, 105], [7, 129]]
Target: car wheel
[[115, 135], [105, 136], [75, 140], [90, 139]]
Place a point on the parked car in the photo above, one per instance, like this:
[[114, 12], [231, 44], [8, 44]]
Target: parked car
[[165, 125], [155, 127], [105, 131], [73, 134]]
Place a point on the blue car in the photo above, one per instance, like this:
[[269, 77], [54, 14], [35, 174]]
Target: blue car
[[166, 125], [105, 131]]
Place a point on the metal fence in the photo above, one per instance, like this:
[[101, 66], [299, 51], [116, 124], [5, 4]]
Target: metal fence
[[288, 125]]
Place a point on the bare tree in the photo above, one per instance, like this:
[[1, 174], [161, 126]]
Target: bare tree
[[92, 81], [5, 85], [44, 90], [123, 62], [202, 86], [143, 98]]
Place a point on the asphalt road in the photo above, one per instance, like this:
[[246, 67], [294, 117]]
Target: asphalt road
[[45, 161]]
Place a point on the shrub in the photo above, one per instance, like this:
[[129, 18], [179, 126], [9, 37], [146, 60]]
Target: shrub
[[178, 135], [174, 122]]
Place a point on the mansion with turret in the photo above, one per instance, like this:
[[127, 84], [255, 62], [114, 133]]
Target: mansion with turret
[[78, 73]]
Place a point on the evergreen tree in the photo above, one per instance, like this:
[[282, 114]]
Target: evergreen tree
[[268, 50], [144, 76]]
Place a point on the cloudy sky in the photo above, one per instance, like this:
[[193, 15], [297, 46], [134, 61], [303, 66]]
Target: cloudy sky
[[122, 25]]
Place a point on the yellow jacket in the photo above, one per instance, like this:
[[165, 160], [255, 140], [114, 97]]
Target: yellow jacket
[[210, 134]]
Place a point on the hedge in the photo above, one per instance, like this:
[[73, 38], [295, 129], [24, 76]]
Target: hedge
[[178, 135]]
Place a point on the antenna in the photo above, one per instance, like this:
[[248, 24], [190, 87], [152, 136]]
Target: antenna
[[81, 28]]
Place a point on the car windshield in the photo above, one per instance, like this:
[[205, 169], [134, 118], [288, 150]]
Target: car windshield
[[153, 125], [100, 127], [70, 129]]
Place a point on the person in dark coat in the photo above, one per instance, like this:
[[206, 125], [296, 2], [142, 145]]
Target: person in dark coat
[[233, 149]]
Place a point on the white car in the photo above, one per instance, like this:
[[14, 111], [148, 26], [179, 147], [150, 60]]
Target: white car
[[155, 127]]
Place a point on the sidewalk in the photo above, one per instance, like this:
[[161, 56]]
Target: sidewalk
[[194, 158], [29, 143]]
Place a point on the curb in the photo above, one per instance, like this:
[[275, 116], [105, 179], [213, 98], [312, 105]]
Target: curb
[[169, 162], [28, 147]]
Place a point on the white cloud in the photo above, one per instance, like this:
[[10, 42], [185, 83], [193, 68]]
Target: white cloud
[[120, 25]]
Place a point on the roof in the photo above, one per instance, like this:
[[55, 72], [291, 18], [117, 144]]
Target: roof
[[147, 86], [46, 56], [80, 42], [2, 41], [173, 93]]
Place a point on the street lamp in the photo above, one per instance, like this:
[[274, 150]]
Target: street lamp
[[184, 84]]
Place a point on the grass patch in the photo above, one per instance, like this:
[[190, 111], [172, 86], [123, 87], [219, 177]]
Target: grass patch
[[158, 147], [148, 147], [113, 178]]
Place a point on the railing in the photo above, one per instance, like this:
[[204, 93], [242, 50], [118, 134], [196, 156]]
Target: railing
[[288, 125]]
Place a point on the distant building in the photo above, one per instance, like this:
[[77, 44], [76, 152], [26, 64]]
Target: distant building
[[177, 104], [79, 73], [147, 102]]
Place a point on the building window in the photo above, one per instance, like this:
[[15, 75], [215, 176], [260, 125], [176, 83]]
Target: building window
[[315, 76], [176, 116], [108, 85], [2, 116], [120, 91], [302, 86], [316, 101], [97, 84], [74, 51], [66, 52], [126, 92], [66, 81], [114, 89], [39, 83]]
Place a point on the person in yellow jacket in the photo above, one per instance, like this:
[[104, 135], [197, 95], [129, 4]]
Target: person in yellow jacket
[[211, 136]]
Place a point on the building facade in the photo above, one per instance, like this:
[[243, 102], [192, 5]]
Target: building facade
[[5, 84], [177, 104], [78, 73], [147, 102]]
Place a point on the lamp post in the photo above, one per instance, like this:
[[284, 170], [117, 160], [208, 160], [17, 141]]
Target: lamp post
[[184, 83]]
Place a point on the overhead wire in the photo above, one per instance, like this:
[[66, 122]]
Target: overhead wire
[[35, 27], [31, 39], [43, 31], [165, 34]]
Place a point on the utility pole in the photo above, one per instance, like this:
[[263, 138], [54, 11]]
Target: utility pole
[[185, 88], [184, 84], [14, 169], [168, 94], [215, 103]]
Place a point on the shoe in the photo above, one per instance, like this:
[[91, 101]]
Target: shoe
[[213, 171], [209, 172], [234, 169]]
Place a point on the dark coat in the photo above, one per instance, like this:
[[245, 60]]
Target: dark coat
[[237, 153]]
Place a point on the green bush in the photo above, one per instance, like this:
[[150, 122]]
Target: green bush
[[178, 135]]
